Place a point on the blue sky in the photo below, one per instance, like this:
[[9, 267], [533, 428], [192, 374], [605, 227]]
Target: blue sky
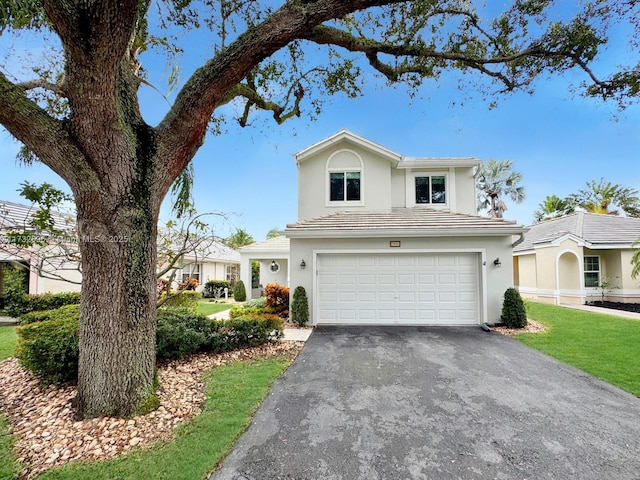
[[556, 140]]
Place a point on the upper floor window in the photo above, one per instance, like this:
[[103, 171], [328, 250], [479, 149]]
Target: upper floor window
[[344, 186], [591, 271], [431, 189], [345, 179]]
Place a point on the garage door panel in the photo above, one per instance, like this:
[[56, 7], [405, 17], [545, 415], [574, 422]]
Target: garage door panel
[[446, 279], [386, 279], [407, 297], [386, 297], [425, 288]]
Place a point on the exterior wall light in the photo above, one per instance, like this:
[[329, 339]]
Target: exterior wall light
[[497, 263], [303, 264]]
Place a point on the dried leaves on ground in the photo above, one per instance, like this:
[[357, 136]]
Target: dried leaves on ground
[[48, 436]]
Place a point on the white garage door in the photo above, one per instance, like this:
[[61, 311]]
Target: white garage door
[[402, 289]]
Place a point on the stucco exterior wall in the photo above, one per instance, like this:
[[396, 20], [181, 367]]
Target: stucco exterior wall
[[313, 180], [494, 280], [526, 271], [465, 191], [47, 285]]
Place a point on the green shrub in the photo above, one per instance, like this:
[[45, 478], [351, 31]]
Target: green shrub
[[179, 333], [215, 288], [514, 314], [18, 302], [15, 291], [48, 346], [53, 314], [49, 349], [256, 302], [183, 333], [300, 306], [185, 299], [277, 299], [48, 301], [239, 292]]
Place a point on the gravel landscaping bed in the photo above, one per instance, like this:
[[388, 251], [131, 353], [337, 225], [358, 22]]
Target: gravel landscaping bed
[[48, 436]]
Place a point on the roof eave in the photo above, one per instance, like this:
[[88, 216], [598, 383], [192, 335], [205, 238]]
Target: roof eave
[[407, 233]]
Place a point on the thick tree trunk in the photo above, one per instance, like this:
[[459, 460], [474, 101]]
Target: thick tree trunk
[[118, 324]]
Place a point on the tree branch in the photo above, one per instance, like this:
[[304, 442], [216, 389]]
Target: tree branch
[[182, 131], [41, 133]]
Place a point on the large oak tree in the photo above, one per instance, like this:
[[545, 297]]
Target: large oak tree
[[84, 121]]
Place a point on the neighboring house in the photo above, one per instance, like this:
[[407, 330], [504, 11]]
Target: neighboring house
[[216, 261], [578, 258], [393, 240], [64, 275]]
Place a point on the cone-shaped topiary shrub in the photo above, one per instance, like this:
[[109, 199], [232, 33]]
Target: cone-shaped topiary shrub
[[239, 292], [514, 314], [300, 306]]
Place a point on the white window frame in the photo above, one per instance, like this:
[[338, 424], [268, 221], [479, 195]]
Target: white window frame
[[192, 270], [232, 272], [585, 271], [342, 169], [411, 189]]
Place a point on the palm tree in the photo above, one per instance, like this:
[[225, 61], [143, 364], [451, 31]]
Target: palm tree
[[603, 197], [494, 179], [239, 239], [553, 207]]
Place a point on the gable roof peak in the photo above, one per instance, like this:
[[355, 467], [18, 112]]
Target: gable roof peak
[[347, 135]]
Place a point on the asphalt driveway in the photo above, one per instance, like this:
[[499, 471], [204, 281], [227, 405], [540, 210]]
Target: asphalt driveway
[[435, 403]]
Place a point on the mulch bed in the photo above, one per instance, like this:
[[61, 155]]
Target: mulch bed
[[47, 435]]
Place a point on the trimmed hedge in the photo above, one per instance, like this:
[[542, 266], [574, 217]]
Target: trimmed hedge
[[183, 333], [18, 303], [300, 306], [48, 345], [514, 313], [54, 314], [50, 349], [239, 292]]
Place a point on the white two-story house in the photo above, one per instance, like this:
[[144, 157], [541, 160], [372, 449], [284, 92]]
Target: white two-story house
[[392, 240]]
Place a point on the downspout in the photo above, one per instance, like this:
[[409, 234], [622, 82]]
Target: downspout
[[519, 241]]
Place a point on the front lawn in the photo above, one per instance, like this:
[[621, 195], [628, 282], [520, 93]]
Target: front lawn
[[205, 307], [605, 346], [8, 339]]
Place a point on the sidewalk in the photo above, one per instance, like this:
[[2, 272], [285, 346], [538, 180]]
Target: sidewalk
[[8, 321], [606, 311]]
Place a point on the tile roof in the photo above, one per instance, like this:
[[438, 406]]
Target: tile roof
[[402, 221], [594, 229], [15, 215], [276, 244]]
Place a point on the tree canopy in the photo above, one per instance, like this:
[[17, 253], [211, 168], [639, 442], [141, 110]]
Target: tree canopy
[[605, 198], [553, 207], [494, 180], [77, 110]]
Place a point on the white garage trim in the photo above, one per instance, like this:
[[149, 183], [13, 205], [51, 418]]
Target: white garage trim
[[394, 314]]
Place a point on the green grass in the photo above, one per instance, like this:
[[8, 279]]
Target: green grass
[[205, 307], [8, 467], [8, 339], [234, 392], [605, 346]]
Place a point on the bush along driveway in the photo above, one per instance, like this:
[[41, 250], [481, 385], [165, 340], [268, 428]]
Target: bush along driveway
[[436, 403]]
